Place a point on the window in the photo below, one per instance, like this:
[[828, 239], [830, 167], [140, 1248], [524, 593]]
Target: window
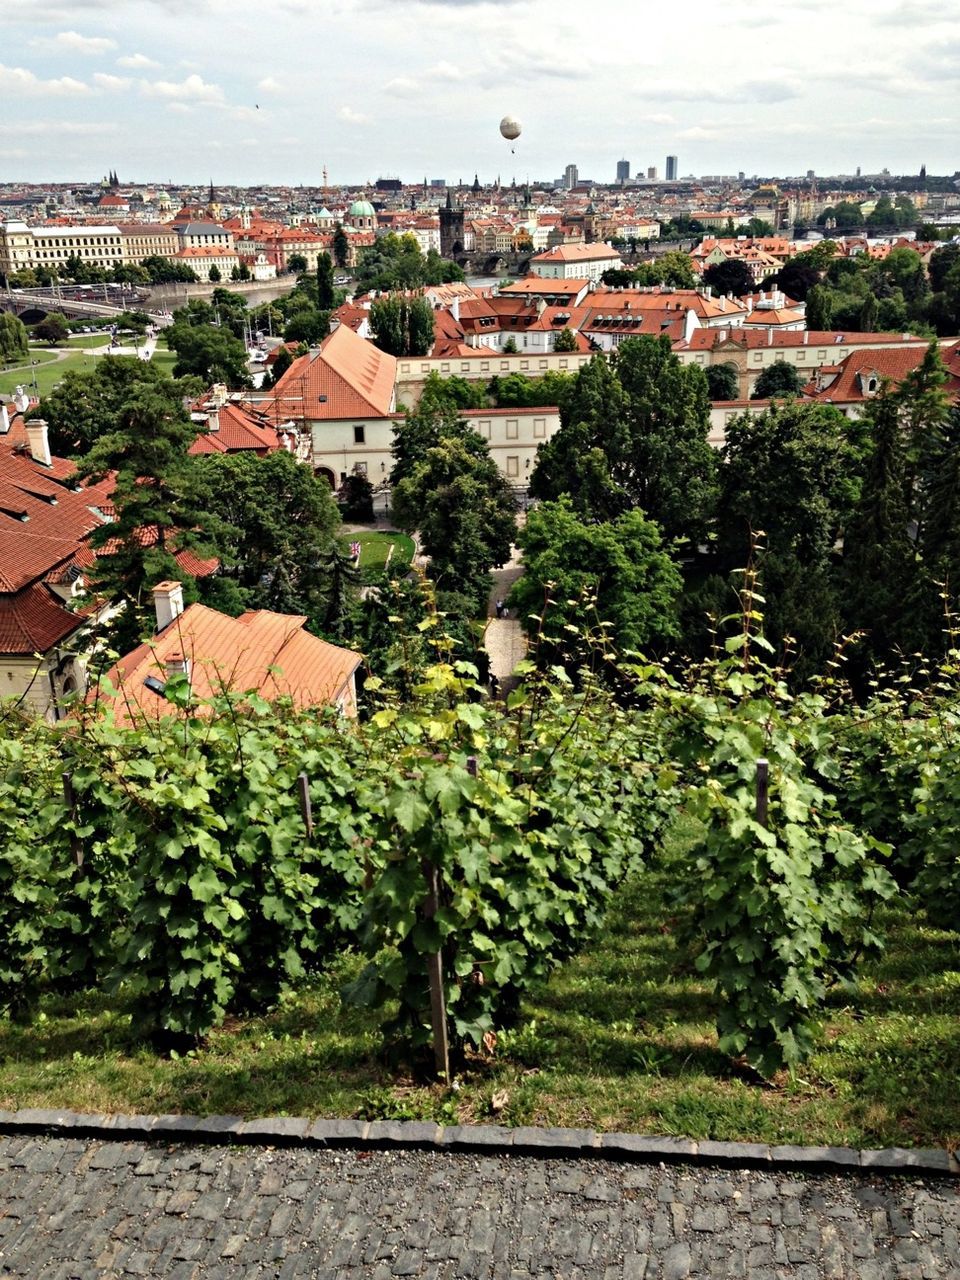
[[484, 428], [513, 466], [564, 362], [539, 427], [757, 357], [359, 435], [512, 429]]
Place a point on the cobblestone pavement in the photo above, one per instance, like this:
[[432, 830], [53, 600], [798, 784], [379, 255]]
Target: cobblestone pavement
[[72, 1208]]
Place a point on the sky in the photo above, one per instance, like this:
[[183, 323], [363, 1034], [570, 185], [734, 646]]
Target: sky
[[248, 92]]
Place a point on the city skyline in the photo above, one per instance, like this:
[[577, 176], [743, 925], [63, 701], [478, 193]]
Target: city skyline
[[170, 90]]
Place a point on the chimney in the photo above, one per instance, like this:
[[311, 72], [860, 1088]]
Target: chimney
[[168, 602], [4, 420], [455, 308], [177, 665], [39, 444], [213, 418], [218, 395]]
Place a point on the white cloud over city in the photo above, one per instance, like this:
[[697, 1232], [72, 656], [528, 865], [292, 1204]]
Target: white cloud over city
[[170, 88]]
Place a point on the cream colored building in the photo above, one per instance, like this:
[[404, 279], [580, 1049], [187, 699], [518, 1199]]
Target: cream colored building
[[24, 248], [141, 240]]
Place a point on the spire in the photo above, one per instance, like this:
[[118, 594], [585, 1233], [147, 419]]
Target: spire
[[449, 201], [213, 195], [476, 184]]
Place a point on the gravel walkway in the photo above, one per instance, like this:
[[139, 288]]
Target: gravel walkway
[[72, 1208], [503, 638]]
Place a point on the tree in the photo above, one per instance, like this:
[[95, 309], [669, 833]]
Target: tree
[[883, 587], [579, 460], [355, 498], [941, 527], [307, 325], [208, 352], [280, 365], [162, 270], [53, 328], [297, 263], [435, 418], [778, 379], [796, 278], [792, 472], [668, 469], [158, 504], [819, 314], [565, 340], [635, 436], [326, 300], [510, 347], [730, 276], [213, 275], [616, 572], [86, 405], [723, 381], [14, 340], [401, 326], [274, 523], [464, 511], [341, 246]]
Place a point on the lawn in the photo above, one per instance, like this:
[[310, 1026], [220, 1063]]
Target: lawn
[[376, 548], [93, 340], [42, 355], [621, 1037], [50, 371]]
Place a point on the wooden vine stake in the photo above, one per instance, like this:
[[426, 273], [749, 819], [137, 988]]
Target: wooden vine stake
[[70, 800], [763, 769], [438, 1004], [306, 810]]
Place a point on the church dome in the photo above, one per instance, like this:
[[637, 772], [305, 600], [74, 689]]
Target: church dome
[[361, 209]]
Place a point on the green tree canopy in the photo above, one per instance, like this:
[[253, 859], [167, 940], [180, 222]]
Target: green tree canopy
[[274, 523], [326, 298], [53, 328], [616, 572], [208, 352], [723, 381], [88, 404], [14, 340], [402, 326], [465, 513], [730, 276], [158, 503], [778, 379]]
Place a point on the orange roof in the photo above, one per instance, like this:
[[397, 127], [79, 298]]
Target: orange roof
[[539, 284], [238, 431], [849, 381], [707, 339], [261, 650], [577, 253], [347, 377]]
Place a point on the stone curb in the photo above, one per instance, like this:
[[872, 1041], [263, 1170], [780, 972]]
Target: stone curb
[[383, 1135]]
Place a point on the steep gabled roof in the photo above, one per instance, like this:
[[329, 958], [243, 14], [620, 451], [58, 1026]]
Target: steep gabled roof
[[261, 650], [347, 377]]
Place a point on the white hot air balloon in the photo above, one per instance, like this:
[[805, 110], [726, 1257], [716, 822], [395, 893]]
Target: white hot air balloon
[[510, 129]]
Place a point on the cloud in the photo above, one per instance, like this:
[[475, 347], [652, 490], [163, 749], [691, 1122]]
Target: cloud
[[443, 70], [87, 45], [105, 81], [78, 128], [193, 89], [658, 117], [349, 116], [401, 87], [766, 90], [137, 62], [28, 83], [269, 85]]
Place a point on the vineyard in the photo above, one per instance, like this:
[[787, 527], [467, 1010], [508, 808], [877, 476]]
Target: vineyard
[[436, 870]]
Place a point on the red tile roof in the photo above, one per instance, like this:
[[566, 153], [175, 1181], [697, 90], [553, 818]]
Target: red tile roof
[[238, 431], [347, 377], [269, 652], [33, 620]]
